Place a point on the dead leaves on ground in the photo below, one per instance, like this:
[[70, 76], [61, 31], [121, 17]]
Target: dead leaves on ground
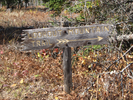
[[25, 76]]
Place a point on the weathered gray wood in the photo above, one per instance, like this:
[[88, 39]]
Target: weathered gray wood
[[59, 37], [67, 70], [61, 41], [121, 37], [67, 28]]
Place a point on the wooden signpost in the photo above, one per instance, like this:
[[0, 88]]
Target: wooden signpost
[[65, 37]]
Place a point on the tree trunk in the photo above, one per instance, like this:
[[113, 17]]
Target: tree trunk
[[0, 5], [8, 5]]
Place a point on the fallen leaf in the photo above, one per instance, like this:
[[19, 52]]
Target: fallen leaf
[[1, 52], [13, 85], [56, 98], [36, 75], [21, 81], [89, 66], [38, 54], [83, 62], [74, 54]]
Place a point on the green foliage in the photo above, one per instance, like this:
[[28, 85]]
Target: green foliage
[[83, 7], [91, 48], [80, 18], [77, 8], [69, 19], [56, 5]]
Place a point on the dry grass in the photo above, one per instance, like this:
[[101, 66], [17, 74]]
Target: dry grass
[[29, 17], [22, 18]]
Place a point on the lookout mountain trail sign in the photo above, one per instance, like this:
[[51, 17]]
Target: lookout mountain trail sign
[[65, 37], [60, 36]]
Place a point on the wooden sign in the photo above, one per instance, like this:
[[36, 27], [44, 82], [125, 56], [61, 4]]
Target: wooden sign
[[66, 37], [44, 38]]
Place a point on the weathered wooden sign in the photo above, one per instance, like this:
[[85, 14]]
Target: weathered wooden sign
[[66, 37], [60, 36]]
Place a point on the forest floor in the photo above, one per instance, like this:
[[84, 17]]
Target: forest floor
[[38, 76]]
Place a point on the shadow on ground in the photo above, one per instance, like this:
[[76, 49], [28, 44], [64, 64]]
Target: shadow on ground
[[9, 33]]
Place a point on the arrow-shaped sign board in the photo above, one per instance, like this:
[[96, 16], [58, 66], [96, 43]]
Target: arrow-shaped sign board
[[60, 36]]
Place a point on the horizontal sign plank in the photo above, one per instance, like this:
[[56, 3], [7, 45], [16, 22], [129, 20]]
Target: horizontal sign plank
[[35, 39]]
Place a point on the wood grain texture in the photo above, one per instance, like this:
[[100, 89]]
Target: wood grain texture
[[61, 41], [72, 36], [67, 70]]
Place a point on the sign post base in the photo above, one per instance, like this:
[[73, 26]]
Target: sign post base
[[67, 70]]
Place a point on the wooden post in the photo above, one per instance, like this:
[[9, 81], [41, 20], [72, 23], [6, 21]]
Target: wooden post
[[67, 70]]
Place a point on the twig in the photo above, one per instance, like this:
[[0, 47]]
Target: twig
[[122, 83], [130, 76], [97, 87], [119, 58], [125, 67]]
